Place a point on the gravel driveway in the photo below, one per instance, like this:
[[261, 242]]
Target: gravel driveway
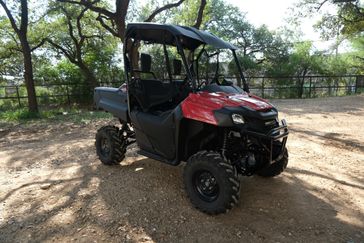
[[53, 188]]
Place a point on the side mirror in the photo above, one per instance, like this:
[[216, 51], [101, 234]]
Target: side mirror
[[177, 67], [145, 62]]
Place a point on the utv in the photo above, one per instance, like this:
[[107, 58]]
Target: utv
[[183, 108]]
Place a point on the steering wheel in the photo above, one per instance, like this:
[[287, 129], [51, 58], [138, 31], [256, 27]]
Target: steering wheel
[[216, 79], [186, 82], [202, 83]]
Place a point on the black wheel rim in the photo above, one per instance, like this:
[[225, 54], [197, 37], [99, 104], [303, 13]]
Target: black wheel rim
[[105, 147], [206, 185]]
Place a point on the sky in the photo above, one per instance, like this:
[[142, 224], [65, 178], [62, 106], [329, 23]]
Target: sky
[[269, 12], [273, 13]]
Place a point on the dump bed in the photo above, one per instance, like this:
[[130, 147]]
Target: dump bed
[[112, 100]]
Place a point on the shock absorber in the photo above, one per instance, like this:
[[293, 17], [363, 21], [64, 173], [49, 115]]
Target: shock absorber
[[224, 144]]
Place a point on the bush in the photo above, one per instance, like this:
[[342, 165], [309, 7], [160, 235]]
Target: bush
[[73, 115], [20, 114]]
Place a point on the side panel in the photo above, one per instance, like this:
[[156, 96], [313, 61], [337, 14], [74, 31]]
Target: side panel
[[155, 134]]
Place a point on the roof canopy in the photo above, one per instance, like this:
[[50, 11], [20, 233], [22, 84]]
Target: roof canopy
[[189, 37]]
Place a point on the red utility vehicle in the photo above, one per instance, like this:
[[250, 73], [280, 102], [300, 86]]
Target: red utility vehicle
[[184, 109]]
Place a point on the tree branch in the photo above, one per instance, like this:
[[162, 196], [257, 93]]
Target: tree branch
[[122, 7], [70, 27], [199, 18], [10, 16], [91, 6], [63, 50], [24, 17], [79, 28], [13, 37], [108, 28], [164, 8], [321, 4], [38, 45]]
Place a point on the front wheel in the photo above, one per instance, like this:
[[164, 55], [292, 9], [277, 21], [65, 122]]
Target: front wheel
[[276, 168], [211, 182]]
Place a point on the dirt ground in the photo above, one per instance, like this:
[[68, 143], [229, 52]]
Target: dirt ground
[[53, 188]]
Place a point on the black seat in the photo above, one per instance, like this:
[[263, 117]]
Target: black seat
[[150, 92]]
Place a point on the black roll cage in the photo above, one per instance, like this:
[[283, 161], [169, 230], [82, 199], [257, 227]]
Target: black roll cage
[[177, 42]]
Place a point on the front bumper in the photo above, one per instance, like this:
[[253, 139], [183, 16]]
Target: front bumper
[[280, 132]]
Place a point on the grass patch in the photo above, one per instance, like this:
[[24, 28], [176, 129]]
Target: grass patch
[[19, 114], [72, 115]]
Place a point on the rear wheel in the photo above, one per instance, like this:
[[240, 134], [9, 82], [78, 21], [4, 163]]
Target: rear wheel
[[211, 182], [277, 167], [110, 145]]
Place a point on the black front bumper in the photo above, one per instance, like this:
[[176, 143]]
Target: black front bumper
[[277, 133]]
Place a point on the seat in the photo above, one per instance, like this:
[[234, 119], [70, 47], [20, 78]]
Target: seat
[[151, 93]]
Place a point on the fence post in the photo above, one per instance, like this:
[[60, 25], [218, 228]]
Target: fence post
[[309, 91], [329, 90], [18, 96], [263, 88], [68, 97]]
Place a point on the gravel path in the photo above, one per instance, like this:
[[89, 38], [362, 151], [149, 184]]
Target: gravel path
[[53, 188]]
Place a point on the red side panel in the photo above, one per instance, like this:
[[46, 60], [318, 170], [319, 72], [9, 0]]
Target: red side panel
[[200, 106]]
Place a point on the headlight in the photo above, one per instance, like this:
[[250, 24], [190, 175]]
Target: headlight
[[237, 119]]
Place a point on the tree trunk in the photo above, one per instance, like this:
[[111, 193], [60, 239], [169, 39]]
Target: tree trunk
[[301, 83], [26, 50], [28, 74], [238, 79], [89, 75]]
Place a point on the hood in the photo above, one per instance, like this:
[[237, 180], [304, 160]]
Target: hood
[[222, 99], [202, 106]]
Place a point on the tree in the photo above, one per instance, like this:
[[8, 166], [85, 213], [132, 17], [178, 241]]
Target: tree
[[345, 24], [302, 63], [257, 45], [74, 42], [21, 30], [191, 13], [115, 21], [347, 21], [357, 55]]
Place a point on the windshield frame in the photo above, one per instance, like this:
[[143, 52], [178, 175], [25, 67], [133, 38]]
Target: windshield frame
[[195, 65]]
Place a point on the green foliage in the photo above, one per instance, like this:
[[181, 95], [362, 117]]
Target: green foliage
[[357, 55], [186, 14], [11, 62], [20, 114]]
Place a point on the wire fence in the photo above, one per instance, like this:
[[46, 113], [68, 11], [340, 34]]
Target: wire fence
[[70, 94], [306, 87]]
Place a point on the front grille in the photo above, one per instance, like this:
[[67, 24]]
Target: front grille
[[270, 123], [262, 126]]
